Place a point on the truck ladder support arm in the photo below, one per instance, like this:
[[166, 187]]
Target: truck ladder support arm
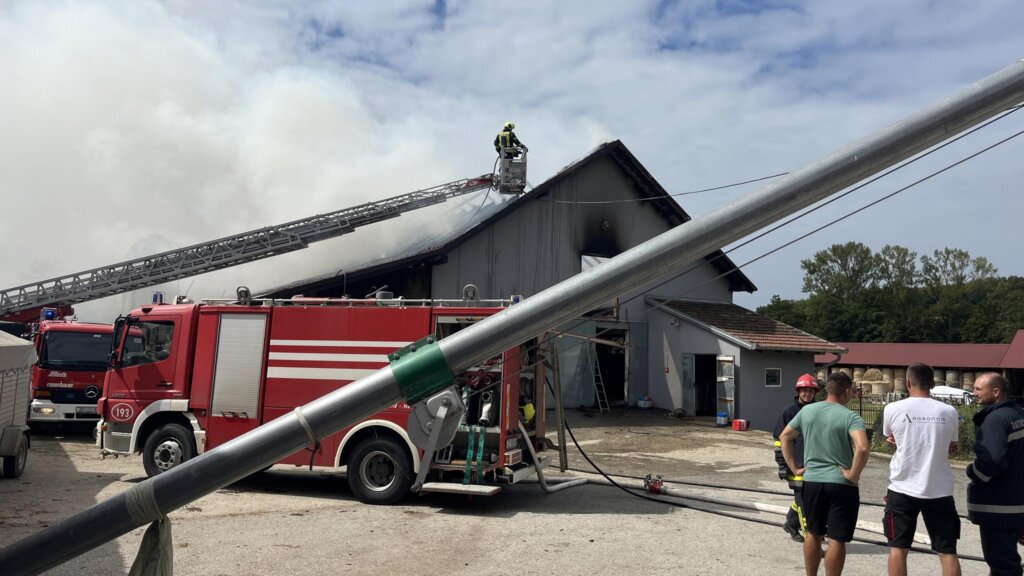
[[224, 252], [632, 269]]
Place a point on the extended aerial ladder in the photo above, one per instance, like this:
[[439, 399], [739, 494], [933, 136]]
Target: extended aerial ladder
[[23, 303]]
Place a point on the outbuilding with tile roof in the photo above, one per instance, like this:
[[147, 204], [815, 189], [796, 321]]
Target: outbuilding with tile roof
[[722, 357]]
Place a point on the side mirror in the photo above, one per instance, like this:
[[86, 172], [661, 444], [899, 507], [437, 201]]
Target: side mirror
[[115, 359]]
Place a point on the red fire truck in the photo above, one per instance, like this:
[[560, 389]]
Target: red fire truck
[[186, 378], [67, 378]]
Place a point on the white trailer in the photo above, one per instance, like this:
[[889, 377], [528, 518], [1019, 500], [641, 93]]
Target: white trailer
[[16, 359]]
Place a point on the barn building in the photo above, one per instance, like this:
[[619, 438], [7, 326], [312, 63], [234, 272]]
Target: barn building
[[955, 365], [680, 340]]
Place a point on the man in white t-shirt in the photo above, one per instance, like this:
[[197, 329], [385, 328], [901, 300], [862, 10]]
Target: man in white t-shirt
[[924, 432]]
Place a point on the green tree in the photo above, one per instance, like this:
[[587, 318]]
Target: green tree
[[954, 267], [1009, 296], [842, 270], [957, 295], [856, 295], [792, 312], [897, 297], [897, 267]]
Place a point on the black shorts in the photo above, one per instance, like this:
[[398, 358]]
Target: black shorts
[[940, 518], [831, 509]]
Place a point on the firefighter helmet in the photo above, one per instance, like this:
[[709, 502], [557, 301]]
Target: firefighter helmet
[[510, 125], [806, 381]]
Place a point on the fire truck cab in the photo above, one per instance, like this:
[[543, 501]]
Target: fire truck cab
[[186, 378], [67, 378]]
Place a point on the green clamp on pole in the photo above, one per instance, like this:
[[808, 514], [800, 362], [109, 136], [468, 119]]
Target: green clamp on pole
[[421, 369]]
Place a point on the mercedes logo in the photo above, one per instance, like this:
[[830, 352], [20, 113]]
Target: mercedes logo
[[92, 392]]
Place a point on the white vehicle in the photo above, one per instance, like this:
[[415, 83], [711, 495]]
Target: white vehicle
[[952, 395], [16, 359]]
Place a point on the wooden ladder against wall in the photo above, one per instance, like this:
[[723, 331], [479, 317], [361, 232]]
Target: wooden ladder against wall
[[599, 391]]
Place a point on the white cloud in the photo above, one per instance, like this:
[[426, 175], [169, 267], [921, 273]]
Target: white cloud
[[139, 123]]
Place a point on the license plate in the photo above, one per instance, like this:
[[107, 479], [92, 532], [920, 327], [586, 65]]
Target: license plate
[[88, 410]]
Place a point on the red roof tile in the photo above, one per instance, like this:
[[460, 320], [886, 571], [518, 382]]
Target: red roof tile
[[937, 355], [742, 324], [1014, 357]]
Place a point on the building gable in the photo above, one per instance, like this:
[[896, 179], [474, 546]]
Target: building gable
[[538, 240]]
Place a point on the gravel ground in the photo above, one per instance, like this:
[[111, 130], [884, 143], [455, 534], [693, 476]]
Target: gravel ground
[[297, 522]]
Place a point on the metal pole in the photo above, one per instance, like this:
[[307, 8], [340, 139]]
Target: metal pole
[[556, 382], [209, 472], [430, 369]]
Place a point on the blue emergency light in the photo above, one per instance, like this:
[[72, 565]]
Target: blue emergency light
[[49, 313], [158, 297]]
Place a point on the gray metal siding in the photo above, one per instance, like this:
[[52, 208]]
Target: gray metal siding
[[761, 405], [236, 380], [15, 395], [540, 243], [667, 345]]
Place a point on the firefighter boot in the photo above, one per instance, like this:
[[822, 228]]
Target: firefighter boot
[[793, 532], [792, 524]]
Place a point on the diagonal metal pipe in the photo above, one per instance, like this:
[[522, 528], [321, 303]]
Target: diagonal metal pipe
[[418, 374]]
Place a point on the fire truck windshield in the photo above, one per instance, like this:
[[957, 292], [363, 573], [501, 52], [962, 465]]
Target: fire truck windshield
[[147, 341], [75, 351]]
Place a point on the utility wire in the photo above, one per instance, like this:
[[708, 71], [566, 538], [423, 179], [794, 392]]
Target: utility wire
[[830, 201], [819, 206], [628, 200], [796, 217], [863, 208]]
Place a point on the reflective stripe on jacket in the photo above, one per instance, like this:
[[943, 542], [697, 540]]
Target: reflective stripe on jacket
[[505, 139], [995, 496]]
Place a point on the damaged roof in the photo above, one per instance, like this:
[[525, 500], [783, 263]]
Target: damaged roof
[[744, 327], [644, 185]]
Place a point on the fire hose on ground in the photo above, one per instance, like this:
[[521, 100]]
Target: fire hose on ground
[[655, 485]]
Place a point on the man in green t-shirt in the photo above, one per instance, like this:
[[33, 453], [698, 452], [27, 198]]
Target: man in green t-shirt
[[835, 452]]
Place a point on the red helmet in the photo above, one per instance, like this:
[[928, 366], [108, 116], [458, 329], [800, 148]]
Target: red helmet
[[806, 381]]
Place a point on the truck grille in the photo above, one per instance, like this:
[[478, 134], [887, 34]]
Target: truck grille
[[71, 397]]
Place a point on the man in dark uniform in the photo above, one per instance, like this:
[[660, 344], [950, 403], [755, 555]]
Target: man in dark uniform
[[995, 496], [806, 388]]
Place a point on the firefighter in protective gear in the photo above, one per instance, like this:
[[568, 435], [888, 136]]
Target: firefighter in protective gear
[[806, 388], [508, 147], [506, 143]]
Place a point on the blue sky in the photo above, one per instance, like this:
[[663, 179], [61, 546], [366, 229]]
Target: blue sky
[[132, 127]]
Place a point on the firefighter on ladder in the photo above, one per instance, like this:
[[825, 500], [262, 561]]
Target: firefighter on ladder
[[806, 388], [508, 147]]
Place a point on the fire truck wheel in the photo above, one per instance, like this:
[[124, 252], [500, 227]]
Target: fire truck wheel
[[380, 471], [15, 465], [168, 446]]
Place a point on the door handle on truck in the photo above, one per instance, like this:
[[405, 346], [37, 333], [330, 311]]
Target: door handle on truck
[[165, 384]]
